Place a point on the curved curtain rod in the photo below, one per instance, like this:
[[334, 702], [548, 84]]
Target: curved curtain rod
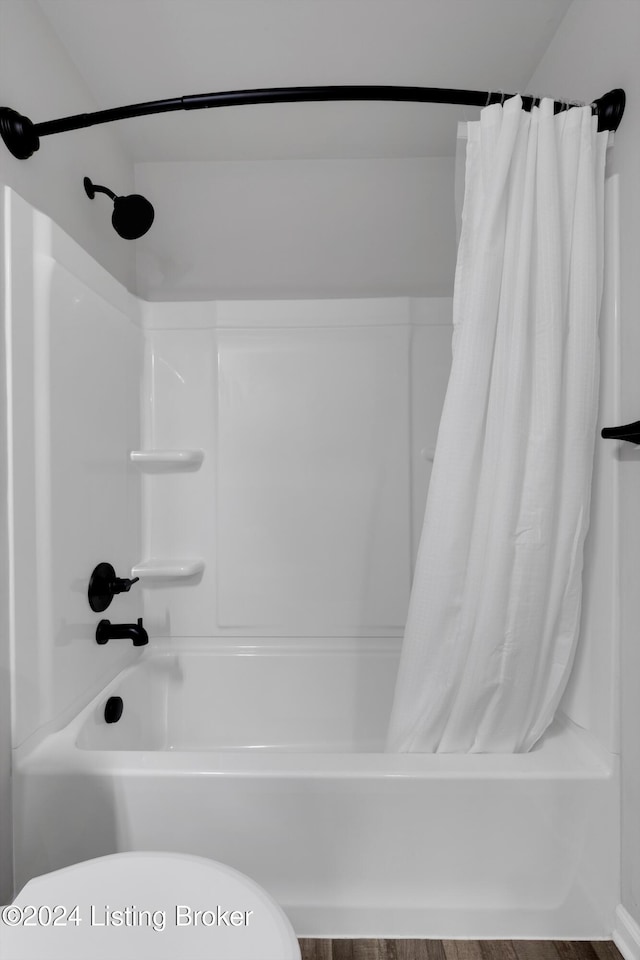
[[22, 136]]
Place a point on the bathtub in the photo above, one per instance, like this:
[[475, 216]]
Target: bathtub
[[268, 755]]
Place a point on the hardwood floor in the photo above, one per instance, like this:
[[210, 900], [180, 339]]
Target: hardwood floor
[[459, 950]]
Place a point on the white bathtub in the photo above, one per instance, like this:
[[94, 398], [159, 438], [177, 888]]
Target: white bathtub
[[268, 758]]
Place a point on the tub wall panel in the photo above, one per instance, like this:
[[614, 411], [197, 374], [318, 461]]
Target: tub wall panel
[[76, 367], [318, 420], [313, 478]]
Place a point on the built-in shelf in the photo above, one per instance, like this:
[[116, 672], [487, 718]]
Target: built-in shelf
[[168, 458], [167, 569]]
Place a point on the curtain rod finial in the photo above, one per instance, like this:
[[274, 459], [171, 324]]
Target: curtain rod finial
[[18, 133], [610, 109]]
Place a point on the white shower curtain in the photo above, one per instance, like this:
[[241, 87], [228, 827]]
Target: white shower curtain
[[495, 606]]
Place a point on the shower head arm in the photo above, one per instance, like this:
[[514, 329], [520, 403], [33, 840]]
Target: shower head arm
[[92, 188]]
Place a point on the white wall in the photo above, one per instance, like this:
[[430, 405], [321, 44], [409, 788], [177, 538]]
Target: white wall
[[594, 50], [39, 80], [5, 664], [282, 229]]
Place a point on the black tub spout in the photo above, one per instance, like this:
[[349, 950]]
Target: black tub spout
[[106, 631]]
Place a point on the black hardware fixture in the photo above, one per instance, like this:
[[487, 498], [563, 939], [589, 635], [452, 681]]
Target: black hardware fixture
[[22, 136], [629, 431], [132, 216], [106, 631], [103, 586], [113, 709]]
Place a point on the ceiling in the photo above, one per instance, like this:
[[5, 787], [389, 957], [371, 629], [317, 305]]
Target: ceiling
[[134, 50]]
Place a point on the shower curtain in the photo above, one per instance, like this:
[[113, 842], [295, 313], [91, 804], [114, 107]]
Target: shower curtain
[[495, 605]]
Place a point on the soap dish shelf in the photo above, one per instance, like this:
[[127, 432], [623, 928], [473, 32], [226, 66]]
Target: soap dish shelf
[[155, 569], [167, 458]]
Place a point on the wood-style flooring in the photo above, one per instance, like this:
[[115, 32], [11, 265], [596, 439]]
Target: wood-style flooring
[[459, 950]]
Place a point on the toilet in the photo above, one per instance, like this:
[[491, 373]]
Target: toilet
[[146, 905]]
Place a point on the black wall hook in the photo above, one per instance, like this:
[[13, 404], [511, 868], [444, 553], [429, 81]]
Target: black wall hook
[[629, 432]]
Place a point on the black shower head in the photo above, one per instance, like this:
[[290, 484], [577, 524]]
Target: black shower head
[[132, 215]]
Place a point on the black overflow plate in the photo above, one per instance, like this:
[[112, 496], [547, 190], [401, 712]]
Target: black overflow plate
[[113, 709]]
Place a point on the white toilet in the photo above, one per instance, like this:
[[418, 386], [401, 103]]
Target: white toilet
[[136, 906]]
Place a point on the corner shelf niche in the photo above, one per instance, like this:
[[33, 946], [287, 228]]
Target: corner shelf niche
[[172, 459], [171, 569]]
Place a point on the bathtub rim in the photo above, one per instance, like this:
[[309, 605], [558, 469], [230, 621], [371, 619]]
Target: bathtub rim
[[567, 752]]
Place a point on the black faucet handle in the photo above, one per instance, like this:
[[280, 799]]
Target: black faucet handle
[[104, 585], [122, 585]]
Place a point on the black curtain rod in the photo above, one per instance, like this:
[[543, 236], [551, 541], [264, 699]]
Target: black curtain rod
[[22, 136]]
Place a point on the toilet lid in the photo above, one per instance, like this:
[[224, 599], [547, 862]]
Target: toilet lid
[[147, 905]]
